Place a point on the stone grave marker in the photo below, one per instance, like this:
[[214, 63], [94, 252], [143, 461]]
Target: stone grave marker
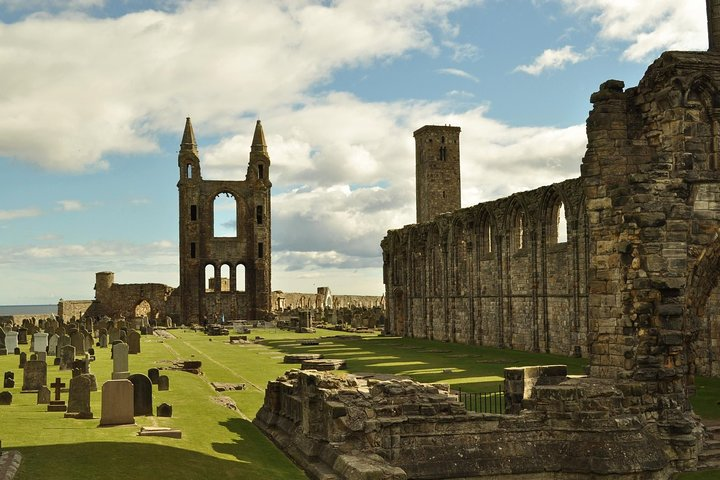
[[39, 342], [41, 356], [103, 339], [77, 340], [56, 361], [153, 375], [67, 357], [62, 341], [120, 361], [33, 356], [142, 394], [22, 336], [79, 397], [34, 375], [89, 341], [164, 410], [3, 349], [11, 341], [43, 395], [57, 405], [123, 335], [117, 403], [113, 334], [5, 398], [52, 345], [133, 342], [163, 383], [23, 360]]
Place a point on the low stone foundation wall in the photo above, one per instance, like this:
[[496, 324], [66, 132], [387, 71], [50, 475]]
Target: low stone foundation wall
[[364, 428]]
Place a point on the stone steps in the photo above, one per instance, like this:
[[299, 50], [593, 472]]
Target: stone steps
[[709, 458]]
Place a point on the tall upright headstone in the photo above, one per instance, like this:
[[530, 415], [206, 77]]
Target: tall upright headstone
[[121, 367], [142, 394], [34, 375], [133, 338], [79, 397], [52, 344], [11, 341], [67, 357], [39, 342], [117, 403], [77, 340]]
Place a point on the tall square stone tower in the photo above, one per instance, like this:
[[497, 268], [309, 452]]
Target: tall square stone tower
[[437, 171]]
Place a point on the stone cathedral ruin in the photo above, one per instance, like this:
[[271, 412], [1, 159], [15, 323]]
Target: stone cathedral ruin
[[633, 285]]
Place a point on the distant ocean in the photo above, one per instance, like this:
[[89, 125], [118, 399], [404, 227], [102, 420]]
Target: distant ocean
[[27, 309]]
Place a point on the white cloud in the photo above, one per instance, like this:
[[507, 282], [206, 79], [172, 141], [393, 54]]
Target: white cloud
[[458, 73], [70, 205], [552, 60], [647, 27], [21, 213], [68, 102]]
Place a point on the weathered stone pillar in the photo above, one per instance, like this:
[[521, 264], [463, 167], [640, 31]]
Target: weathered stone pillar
[[713, 15]]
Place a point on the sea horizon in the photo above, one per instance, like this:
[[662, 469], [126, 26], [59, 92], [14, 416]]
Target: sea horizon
[[41, 309]]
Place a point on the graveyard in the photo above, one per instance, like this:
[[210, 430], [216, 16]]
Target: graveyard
[[214, 420]]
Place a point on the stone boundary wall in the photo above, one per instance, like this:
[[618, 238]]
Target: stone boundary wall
[[499, 273], [73, 308]]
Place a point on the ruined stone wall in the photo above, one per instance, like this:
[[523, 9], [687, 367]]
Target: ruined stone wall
[[131, 300], [73, 308], [293, 301], [368, 428], [499, 273]]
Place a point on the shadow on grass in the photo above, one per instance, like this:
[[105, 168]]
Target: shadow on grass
[[472, 368], [131, 461]]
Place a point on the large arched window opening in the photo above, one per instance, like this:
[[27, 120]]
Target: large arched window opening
[[240, 278], [225, 277], [519, 231], [225, 215], [209, 280]]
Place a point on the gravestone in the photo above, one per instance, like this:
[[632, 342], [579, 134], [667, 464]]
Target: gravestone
[[123, 335], [52, 345], [39, 342], [133, 342], [153, 375], [43, 395], [41, 356], [34, 375], [57, 405], [5, 398], [79, 397], [89, 340], [22, 336], [3, 348], [9, 380], [11, 341], [63, 340], [120, 361], [77, 340], [164, 410], [103, 340], [67, 357], [113, 334], [142, 394], [117, 403], [23, 360], [163, 383]]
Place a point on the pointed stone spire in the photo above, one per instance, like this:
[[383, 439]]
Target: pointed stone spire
[[713, 14], [188, 138], [258, 141]]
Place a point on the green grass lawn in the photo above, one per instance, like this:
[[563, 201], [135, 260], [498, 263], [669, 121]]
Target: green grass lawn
[[221, 443]]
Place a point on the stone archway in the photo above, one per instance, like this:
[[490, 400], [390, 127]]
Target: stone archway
[[142, 309], [702, 323]]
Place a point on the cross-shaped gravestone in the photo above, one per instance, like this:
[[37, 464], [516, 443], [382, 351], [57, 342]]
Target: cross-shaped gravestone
[[57, 385]]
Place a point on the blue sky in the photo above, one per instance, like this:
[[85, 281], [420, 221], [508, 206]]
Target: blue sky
[[94, 95]]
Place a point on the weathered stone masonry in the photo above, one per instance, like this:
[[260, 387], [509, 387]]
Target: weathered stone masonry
[[635, 284], [495, 273]]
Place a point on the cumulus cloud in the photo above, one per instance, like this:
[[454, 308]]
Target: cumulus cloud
[[552, 60], [663, 25], [69, 102], [20, 213]]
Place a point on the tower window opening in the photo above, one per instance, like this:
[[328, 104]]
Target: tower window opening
[[261, 249], [193, 212], [261, 171], [188, 171], [192, 250], [259, 214]]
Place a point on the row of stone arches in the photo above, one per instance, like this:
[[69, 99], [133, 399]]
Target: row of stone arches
[[224, 277]]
